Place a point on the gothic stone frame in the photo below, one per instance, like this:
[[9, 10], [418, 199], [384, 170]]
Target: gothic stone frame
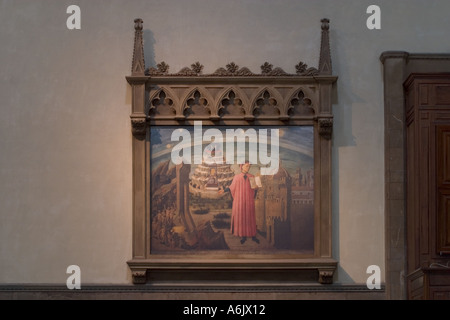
[[316, 87]]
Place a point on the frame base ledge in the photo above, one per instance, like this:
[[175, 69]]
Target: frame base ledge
[[204, 271]]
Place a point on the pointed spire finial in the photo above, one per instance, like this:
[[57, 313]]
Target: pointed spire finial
[[325, 24], [325, 53], [138, 65], [138, 24]]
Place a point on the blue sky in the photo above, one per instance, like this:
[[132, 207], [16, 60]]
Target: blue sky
[[295, 144]]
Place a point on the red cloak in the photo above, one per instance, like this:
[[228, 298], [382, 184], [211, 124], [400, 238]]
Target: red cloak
[[243, 220]]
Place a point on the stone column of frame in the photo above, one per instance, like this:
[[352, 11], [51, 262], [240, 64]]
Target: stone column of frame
[[325, 129], [139, 137]]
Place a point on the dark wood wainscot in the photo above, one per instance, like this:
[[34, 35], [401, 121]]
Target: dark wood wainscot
[[428, 185], [429, 284]]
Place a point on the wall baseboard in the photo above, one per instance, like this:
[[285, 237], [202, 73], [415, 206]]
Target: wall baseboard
[[203, 292]]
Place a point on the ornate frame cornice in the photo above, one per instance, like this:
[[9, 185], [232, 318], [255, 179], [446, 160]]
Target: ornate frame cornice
[[281, 86]]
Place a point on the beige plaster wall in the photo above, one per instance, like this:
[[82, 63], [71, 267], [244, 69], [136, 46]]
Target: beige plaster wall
[[65, 138]]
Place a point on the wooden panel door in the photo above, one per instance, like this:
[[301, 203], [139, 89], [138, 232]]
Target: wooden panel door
[[443, 189]]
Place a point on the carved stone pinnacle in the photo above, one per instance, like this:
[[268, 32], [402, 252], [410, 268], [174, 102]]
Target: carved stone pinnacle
[[325, 24], [138, 64], [325, 67], [138, 24]]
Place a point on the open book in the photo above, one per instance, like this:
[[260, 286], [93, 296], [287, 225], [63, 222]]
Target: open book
[[255, 182]]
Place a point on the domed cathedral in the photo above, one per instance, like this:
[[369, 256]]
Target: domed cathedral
[[207, 179], [212, 175]]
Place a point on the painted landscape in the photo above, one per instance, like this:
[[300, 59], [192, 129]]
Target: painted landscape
[[192, 205]]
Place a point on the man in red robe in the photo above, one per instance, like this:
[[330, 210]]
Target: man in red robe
[[243, 220]]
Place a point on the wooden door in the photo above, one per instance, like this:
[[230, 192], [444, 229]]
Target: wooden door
[[443, 189]]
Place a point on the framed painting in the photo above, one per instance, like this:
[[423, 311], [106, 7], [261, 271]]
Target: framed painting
[[231, 172], [214, 202]]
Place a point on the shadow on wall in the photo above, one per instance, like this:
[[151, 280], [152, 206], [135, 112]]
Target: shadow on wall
[[343, 276], [342, 137], [149, 48]]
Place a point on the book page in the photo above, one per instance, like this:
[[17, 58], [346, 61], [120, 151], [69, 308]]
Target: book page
[[255, 182], [258, 181]]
